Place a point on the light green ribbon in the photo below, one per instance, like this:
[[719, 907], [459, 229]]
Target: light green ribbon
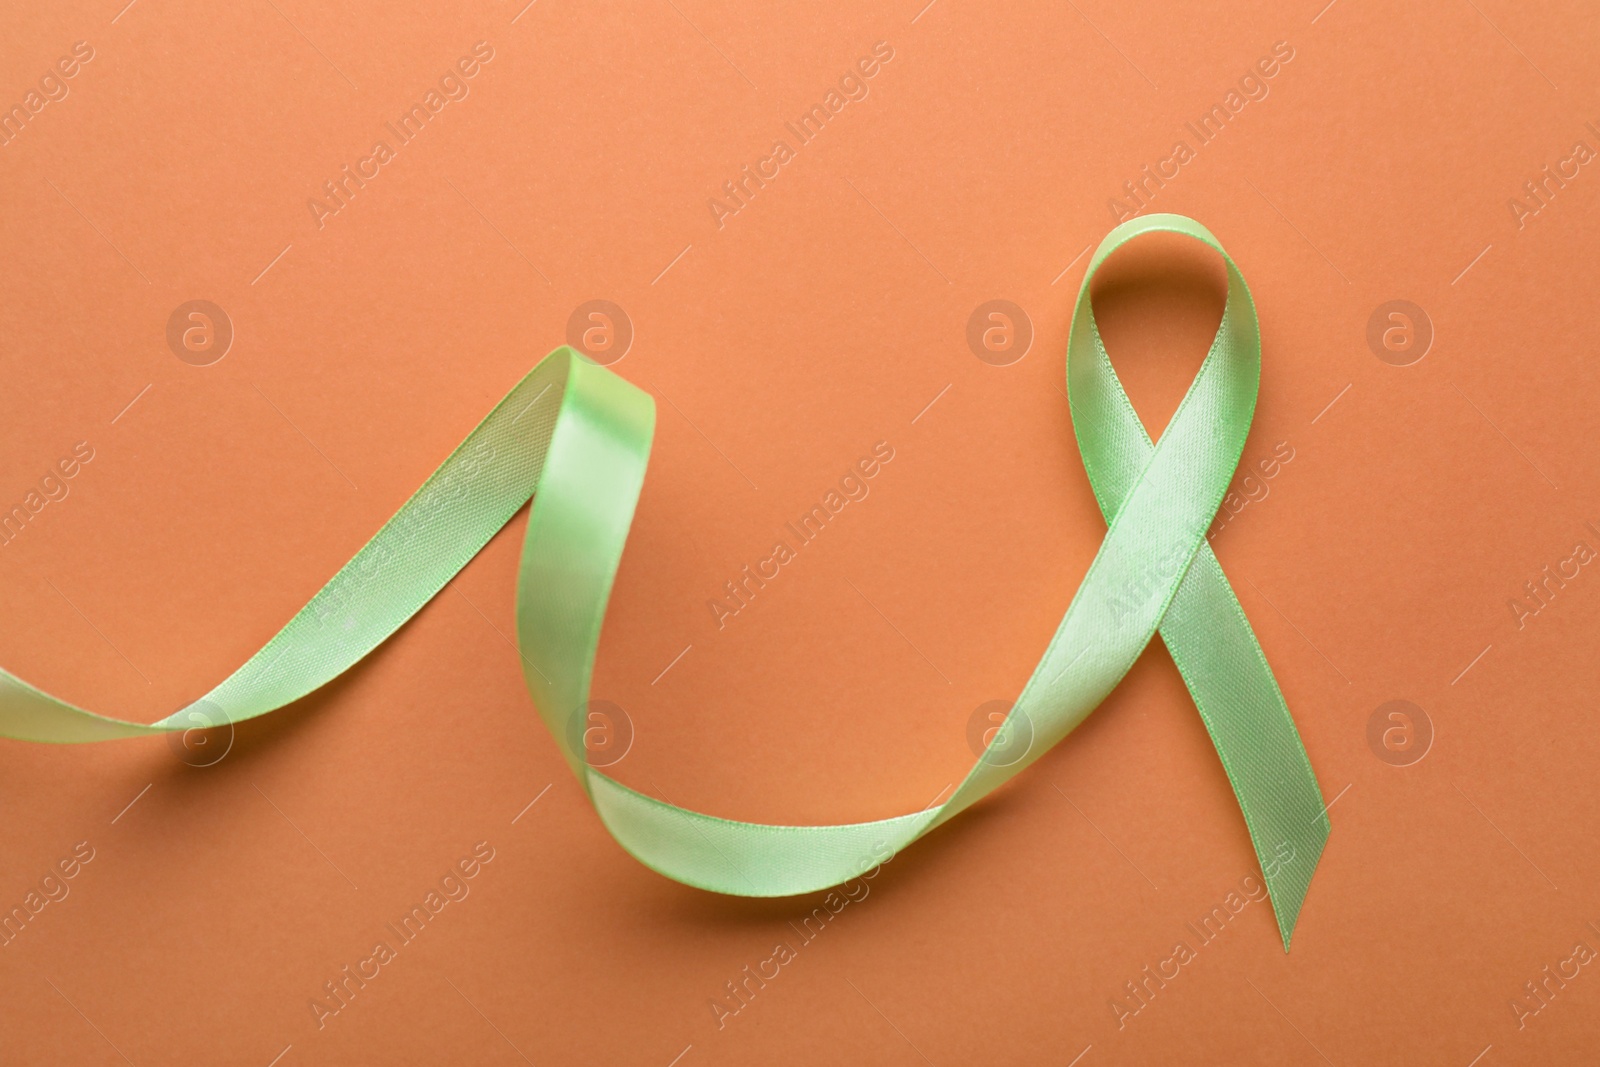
[[576, 438]]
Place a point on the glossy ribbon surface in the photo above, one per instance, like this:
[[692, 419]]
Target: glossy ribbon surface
[[575, 438]]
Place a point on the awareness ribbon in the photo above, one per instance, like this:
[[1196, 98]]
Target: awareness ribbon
[[576, 438]]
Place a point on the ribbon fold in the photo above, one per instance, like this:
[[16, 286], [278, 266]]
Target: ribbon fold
[[576, 438]]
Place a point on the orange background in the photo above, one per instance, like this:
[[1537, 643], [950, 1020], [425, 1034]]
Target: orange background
[[821, 317]]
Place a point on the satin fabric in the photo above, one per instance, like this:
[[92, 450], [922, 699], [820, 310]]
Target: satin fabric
[[576, 438]]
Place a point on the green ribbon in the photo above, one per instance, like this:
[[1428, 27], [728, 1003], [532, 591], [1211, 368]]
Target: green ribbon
[[576, 438]]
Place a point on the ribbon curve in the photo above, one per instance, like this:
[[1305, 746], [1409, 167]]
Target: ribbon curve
[[576, 438]]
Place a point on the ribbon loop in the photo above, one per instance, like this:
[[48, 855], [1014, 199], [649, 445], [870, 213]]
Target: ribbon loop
[[1204, 627], [576, 438]]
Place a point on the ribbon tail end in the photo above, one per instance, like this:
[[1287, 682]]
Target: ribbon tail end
[[1289, 885]]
